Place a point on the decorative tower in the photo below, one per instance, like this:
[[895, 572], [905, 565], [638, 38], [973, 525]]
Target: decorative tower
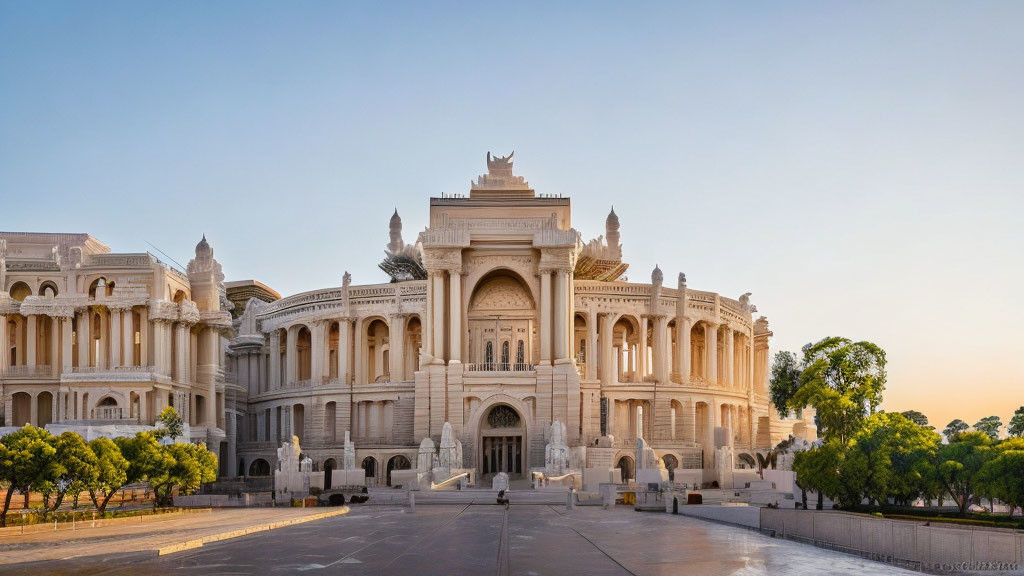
[[611, 235], [396, 245]]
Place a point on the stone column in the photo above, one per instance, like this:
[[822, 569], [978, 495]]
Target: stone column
[[209, 363], [730, 353], [455, 316], [545, 317], [5, 344], [128, 337], [275, 360], [641, 360], [396, 360], [30, 340], [275, 427], [54, 333], [592, 352], [290, 354], [344, 350], [561, 327], [115, 338], [709, 435], [33, 418], [67, 359], [182, 345], [660, 360], [358, 354], [711, 348], [607, 337], [389, 422], [84, 336], [373, 420], [438, 316], [316, 353], [145, 359]]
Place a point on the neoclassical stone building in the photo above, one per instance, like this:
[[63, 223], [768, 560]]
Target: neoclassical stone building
[[499, 319]]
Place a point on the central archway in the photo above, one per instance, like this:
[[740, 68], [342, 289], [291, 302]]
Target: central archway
[[503, 445]]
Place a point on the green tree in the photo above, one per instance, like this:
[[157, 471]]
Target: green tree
[[953, 428], [147, 461], [915, 417], [1016, 427], [843, 380], [889, 457], [989, 425], [959, 463], [189, 466], [75, 466], [817, 470], [26, 460], [170, 424], [1002, 476], [784, 381], [112, 472]]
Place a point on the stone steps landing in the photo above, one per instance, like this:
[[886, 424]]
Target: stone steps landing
[[547, 496]]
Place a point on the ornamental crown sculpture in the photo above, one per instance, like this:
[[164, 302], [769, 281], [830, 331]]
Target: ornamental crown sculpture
[[499, 176]]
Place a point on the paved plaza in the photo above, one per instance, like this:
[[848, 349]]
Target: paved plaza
[[527, 540]]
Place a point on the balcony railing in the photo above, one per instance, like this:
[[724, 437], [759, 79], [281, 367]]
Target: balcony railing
[[96, 369], [38, 371], [499, 367]]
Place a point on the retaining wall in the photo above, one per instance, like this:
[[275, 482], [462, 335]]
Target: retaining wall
[[931, 547]]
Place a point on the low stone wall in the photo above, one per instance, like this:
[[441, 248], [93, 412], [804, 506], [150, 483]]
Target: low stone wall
[[746, 516], [932, 547], [223, 500]]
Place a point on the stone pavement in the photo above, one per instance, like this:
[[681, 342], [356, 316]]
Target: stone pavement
[[527, 540], [156, 535]]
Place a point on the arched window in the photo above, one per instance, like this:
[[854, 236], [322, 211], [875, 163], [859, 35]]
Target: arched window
[[489, 356], [520, 356], [504, 355]]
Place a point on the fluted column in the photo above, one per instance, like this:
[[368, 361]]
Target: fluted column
[[84, 336], [660, 360], [607, 338], [30, 340], [115, 338], [316, 352], [730, 352], [438, 316], [5, 344], [711, 349], [561, 322], [290, 356], [359, 352], [145, 358], [641, 361], [592, 351], [67, 359], [54, 334], [128, 337], [181, 347], [545, 317], [455, 316], [344, 349], [275, 360], [396, 329]]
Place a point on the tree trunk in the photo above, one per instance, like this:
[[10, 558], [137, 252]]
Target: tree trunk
[[821, 501], [803, 497], [58, 501], [92, 496], [7, 505], [103, 507]]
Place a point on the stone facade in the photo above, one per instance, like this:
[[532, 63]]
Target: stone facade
[[517, 324]]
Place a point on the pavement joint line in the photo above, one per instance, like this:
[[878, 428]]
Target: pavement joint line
[[209, 538]]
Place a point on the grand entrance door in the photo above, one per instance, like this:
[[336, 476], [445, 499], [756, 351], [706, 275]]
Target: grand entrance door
[[502, 443], [503, 454]]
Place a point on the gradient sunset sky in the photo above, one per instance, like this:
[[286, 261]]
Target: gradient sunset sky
[[858, 166]]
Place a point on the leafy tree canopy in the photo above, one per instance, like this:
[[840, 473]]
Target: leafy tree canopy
[[989, 425], [915, 417], [953, 428], [784, 381], [1016, 427]]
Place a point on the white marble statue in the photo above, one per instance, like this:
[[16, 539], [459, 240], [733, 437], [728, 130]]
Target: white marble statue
[[294, 475], [556, 453], [350, 452], [425, 459]]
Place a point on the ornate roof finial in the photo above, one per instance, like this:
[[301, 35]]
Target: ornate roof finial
[[682, 279], [397, 244], [657, 277], [612, 222]]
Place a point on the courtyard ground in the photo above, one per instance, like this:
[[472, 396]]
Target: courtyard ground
[[442, 539], [155, 534]]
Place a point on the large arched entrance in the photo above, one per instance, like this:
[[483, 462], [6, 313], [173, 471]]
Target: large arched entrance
[[502, 442], [329, 467], [398, 462], [625, 465]]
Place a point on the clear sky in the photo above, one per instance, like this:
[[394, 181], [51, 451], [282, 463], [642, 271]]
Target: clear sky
[[858, 166]]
